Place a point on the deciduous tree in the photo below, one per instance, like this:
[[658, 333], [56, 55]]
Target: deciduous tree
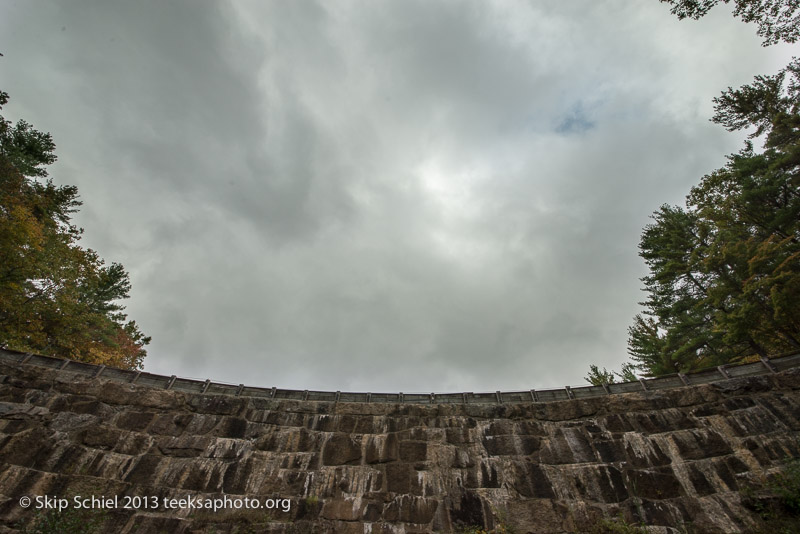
[[56, 297]]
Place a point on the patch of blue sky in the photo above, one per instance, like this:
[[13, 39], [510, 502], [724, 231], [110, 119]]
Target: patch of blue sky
[[575, 121]]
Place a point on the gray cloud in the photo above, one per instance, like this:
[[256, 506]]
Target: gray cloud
[[415, 196]]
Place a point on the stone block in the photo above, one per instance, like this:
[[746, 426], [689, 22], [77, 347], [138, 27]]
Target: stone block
[[169, 425], [488, 476], [216, 404], [382, 449], [94, 407], [413, 451], [500, 445], [556, 450], [702, 485], [457, 436], [231, 427], [184, 446], [644, 453], [610, 450], [341, 509], [607, 484], [347, 527], [342, 449], [145, 471], [411, 509], [365, 425], [134, 420], [26, 447], [654, 484], [531, 481], [499, 428], [115, 393], [699, 444], [398, 478], [536, 515], [100, 437], [617, 423]]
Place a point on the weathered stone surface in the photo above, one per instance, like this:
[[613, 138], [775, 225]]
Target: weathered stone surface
[[342, 449], [413, 451], [668, 457], [411, 509], [342, 509], [381, 449]]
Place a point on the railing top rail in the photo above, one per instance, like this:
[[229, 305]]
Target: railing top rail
[[765, 366]]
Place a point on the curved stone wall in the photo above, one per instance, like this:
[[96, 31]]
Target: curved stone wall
[[667, 457]]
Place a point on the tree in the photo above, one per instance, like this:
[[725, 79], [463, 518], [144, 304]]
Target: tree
[[778, 20], [596, 377], [724, 282], [55, 296]]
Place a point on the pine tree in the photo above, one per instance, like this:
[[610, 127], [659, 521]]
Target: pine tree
[[724, 283], [778, 20]]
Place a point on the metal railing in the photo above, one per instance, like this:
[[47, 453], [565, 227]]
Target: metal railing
[[724, 372]]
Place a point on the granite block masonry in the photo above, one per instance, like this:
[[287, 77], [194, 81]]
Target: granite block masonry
[[668, 458]]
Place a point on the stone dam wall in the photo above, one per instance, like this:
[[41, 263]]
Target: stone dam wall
[[673, 458]]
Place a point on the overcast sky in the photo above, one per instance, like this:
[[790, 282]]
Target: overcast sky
[[379, 195]]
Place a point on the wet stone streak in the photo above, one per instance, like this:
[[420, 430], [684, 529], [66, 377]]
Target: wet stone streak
[[669, 457]]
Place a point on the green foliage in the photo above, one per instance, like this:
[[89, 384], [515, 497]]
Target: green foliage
[[501, 528], [67, 521], [724, 278], [302, 527], [309, 507], [777, 20], [787, 487], [618, 525], [777, 502], [502, 525], [56, 297], [596, 377]]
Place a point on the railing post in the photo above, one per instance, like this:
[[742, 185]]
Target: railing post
[[722, 371], [605, 388], [570, 395], [64, 365], [239, 391], [205, 386], [768, 364], [136, 377], [499, 398], [684, 379], [171, 381], [644, 386], [99, 371]]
